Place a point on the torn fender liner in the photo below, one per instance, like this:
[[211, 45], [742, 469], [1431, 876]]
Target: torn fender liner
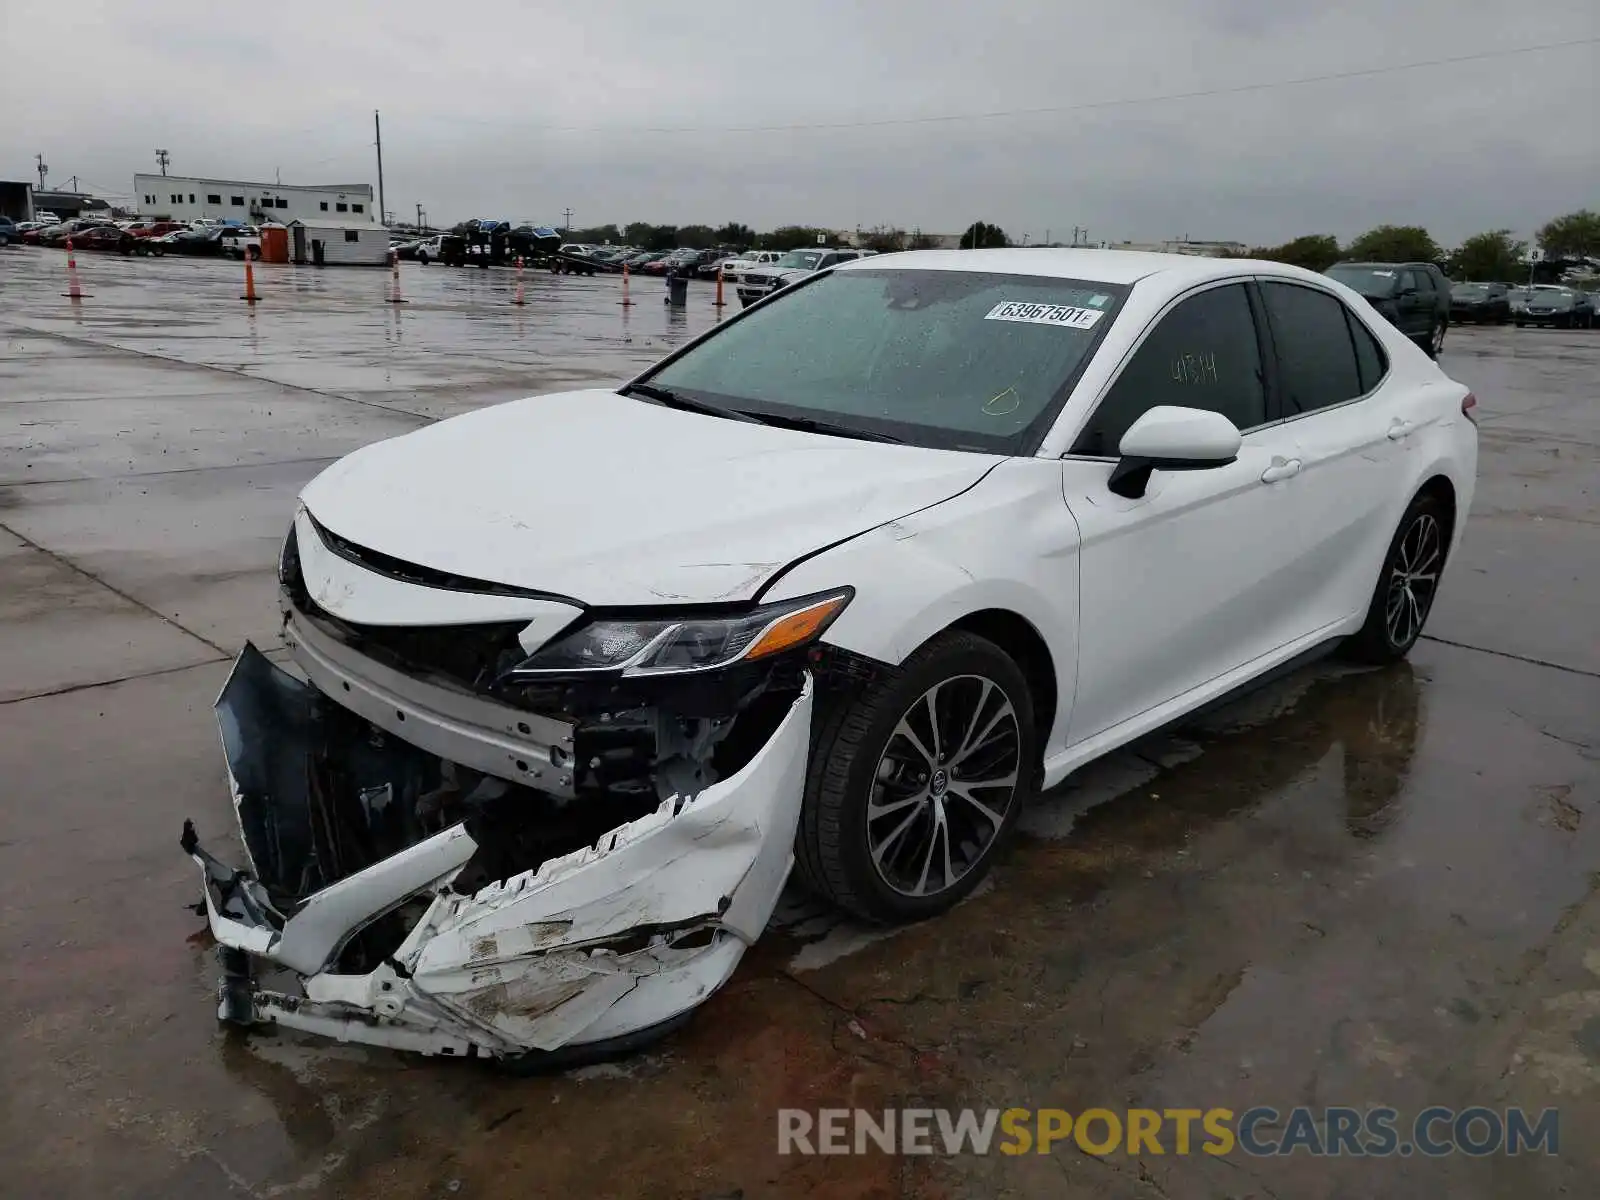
[[355, 892]]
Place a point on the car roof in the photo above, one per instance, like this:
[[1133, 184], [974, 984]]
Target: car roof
[[1099, 266]]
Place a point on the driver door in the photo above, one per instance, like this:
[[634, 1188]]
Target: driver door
[[1198, 576]]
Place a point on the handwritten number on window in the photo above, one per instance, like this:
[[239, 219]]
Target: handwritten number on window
[[1196, 369]]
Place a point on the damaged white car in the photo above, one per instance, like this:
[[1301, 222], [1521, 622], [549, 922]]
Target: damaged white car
[[576, 680]]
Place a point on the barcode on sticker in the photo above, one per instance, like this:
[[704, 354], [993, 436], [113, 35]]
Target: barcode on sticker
[[1067, 315]]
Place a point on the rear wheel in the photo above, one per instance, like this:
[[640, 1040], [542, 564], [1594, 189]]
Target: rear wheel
[[1406, 586], [917, 780]]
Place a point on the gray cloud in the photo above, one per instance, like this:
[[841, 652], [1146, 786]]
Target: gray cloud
[[493, 109]]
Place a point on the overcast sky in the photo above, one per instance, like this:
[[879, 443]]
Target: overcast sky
[[632, 109]]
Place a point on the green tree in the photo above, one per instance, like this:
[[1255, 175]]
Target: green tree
[[884, 240], [1313, 251], [794, 237], [1576, 235], [697, 237], [598, 235], [980, 236], [1394, 243], [921, 241], [1493, 256], [735, 234], [651, 237]]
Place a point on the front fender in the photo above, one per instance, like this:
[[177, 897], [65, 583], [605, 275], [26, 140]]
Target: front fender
[[1008, 543]]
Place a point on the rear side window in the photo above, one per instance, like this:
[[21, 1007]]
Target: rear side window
[[1316, 355], [1202, 354], [1371, 362]]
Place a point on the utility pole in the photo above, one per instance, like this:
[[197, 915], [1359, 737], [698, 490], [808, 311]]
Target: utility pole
[[566, 214], [419, 217], [377, 133], [163, 158], [43, 169]]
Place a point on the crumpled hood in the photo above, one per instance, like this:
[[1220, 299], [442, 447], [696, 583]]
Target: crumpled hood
[[613, 501]]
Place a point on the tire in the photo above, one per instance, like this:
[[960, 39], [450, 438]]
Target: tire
[[1433, 343], [1520, 324], [422, 259], [1388, 636], [852, 769]]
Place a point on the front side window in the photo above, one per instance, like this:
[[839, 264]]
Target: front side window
[[1202, 354], [1312, 335], [948, 359]]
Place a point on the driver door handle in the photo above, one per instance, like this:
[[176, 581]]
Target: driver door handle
[[1399, 428], [1281, 468]]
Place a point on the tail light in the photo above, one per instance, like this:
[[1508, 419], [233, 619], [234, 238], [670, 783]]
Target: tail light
[[1469, 407]]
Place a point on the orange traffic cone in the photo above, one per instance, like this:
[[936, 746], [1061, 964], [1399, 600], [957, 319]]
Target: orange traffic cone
[[249, 296], [719, 286], [626, 300], [394, 275], [519, 301], [74, 289]]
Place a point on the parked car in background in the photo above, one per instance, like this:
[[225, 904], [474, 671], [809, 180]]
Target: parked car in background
[[112, 239], [57, 234], [239, 240], [151, 229], [45, 217], [8, 231], [1414, 297], [757, 282], [1480, 302], [202, 243], [734, 268], [1553, 304]]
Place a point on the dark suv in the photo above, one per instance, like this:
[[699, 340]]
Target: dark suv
[[1415, 297], [1480, 302]]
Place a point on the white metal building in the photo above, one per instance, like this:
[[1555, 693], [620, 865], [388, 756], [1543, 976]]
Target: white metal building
[[181, 198], [332, 243]]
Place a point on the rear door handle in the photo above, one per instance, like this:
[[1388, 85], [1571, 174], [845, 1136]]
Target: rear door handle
[[1398, 429], [1281, 468]]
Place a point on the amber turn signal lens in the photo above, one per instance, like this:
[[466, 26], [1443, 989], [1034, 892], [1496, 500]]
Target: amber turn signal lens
[[795, 629]]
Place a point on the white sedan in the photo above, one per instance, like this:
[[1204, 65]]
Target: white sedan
[[839, 586]]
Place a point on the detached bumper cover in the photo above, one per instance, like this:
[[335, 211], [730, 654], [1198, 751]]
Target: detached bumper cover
[[591, 946]]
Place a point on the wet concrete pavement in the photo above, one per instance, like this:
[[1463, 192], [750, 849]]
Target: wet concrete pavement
[[1349, 888]]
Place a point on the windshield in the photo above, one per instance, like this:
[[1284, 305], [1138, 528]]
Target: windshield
[[1369, 281], [800, 258], [948, 359]]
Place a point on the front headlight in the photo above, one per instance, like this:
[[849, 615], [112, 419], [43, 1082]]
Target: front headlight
[[682, 646]]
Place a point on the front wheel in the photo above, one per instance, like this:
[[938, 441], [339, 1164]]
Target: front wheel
[[916, 780], [1406, 586], [1433, 342]]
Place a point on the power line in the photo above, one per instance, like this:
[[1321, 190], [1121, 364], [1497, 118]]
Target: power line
[[1083, 106]]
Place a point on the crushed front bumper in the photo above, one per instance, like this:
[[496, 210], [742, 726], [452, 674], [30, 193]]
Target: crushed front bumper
[[590, 947]]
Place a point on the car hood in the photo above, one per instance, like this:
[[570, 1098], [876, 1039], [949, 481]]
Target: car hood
[[612, 501]]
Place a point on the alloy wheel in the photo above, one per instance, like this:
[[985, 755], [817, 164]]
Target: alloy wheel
[[1438, 340], [1413, 580], [944, 785]]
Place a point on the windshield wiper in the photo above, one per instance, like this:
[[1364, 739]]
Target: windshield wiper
[[813, 425], [673, 399]]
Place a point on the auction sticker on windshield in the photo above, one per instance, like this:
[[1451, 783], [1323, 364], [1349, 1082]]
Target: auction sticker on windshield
[[1066, 315]]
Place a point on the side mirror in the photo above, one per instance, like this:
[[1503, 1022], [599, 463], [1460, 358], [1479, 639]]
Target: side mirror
[[1172, 439]]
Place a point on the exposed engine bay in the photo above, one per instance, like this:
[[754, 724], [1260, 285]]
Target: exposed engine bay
[[590, 863]]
